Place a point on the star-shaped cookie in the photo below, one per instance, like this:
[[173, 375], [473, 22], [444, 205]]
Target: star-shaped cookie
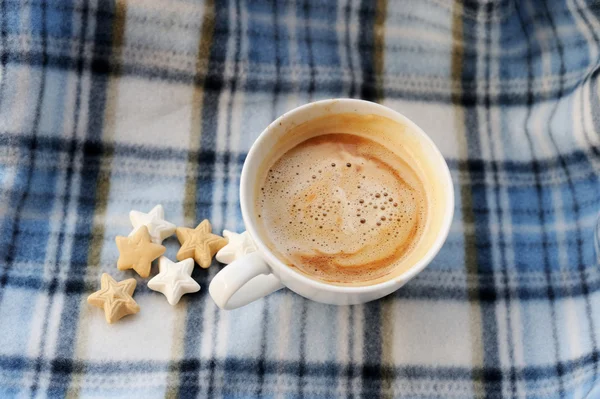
[[237, 246], [174, 279], [199, 243], [158, 227], [137, 252], [115, 298]]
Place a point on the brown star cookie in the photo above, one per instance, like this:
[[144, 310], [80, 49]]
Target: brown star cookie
[[138, 251], [115, 298], [199, 243]]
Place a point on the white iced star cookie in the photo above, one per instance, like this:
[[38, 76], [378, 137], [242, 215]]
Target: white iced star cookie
[[238, 245], [174, 279], [154, 220]]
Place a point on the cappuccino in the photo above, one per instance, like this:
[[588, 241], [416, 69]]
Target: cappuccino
[[342, 208]]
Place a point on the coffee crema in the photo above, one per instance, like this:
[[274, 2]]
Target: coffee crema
[[342, 208]]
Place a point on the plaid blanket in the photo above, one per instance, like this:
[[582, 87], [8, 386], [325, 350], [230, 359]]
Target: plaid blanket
[[109, 107]]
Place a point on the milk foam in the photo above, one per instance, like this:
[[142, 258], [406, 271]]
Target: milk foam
[[342, 208]]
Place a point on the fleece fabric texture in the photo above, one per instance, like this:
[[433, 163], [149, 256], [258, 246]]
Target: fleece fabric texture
[[107, 107]]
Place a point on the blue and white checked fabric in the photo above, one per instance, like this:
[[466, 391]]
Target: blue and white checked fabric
[[109, 107]]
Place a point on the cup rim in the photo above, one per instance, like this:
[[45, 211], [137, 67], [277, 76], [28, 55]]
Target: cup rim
[[247, 205]]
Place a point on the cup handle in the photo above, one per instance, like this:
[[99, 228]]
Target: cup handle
[[243, 281]]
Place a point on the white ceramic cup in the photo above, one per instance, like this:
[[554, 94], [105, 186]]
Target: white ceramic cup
[[260, 273]]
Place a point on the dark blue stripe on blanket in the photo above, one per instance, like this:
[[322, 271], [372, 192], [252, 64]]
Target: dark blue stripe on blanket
[[88, 184], [486, 287], [208, 157], [483, 256], [53, 285], [65, 367], [576, 159]]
